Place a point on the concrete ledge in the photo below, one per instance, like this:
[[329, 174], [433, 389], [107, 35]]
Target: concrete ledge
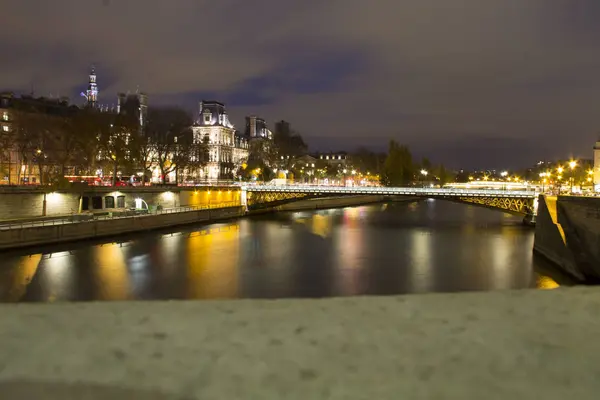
[[499, 345]]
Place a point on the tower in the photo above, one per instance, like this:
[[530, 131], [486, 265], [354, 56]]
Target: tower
[[92, 92]]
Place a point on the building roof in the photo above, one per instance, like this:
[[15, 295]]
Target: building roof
[[213, 102]]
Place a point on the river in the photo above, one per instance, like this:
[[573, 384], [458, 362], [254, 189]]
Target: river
[[383, 249]]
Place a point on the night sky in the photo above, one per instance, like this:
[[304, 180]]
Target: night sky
[[473, 83]]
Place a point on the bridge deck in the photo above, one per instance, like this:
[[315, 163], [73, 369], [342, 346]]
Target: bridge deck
[[392, 191]]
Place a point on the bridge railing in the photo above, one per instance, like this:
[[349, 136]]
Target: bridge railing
[[114, 215], [390, 190]]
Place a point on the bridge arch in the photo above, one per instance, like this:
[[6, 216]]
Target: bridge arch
[[522, 203]]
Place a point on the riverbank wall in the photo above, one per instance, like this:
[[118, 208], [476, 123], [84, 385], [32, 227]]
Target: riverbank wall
[[567, 233], [67, 231], [18, 203]]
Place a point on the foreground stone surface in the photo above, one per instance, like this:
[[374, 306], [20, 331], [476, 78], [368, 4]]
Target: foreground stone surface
[[500, 345]]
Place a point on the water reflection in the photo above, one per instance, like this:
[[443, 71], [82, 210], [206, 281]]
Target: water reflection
[[380, 249], [421, 267], [15, 278], [212, 259], [350, 246], [110, 274], [56, 276]]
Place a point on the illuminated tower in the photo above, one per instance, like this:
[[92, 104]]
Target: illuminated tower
[[92, 92]]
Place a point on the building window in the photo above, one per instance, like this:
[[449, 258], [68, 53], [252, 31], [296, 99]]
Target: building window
[[5, 116], [97, 203], [207, 116], [109, 202], [5, 128], [121, 202]]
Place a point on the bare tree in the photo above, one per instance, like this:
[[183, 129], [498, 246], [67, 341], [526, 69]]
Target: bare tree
[[170, 130]]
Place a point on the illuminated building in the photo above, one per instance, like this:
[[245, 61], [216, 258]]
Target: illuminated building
[[256, 128], [227, 148], [91, 94], [19, 165], [335, 159]]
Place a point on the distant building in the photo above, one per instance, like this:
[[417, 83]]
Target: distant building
[[18, 161], [227, 148], [135, 105], [337, 159], [256, 128]]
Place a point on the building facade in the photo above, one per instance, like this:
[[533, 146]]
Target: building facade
[[227, 148], [135, 105], [335, 159], [256, 128], [25, 143]]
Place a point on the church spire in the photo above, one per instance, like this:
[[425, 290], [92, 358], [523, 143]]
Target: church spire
[[92, 91]]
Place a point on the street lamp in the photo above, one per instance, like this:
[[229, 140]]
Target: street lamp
[[424, 173], [572, 165], [543, 179]]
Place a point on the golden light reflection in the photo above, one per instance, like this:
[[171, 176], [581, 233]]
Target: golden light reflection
[[321, 225], [110, 273], [351, 217], [500, 254], [421, 266], [58, 270], [213, 256], [545, 282], [20, 276], [350, 248]]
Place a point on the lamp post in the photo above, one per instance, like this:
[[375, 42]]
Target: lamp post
[[424, 173], [559, 172], [543, 179], [572, 165]]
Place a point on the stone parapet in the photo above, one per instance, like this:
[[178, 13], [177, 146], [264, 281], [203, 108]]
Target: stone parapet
[[530, 344]]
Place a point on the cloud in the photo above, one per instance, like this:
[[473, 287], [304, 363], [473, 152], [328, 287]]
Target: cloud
[[440, 75]]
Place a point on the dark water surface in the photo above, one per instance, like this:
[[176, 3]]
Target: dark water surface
[[429, 246]]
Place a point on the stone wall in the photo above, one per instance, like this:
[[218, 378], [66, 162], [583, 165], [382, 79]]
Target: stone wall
[[15, 205], [568, 234], [28, 203]]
